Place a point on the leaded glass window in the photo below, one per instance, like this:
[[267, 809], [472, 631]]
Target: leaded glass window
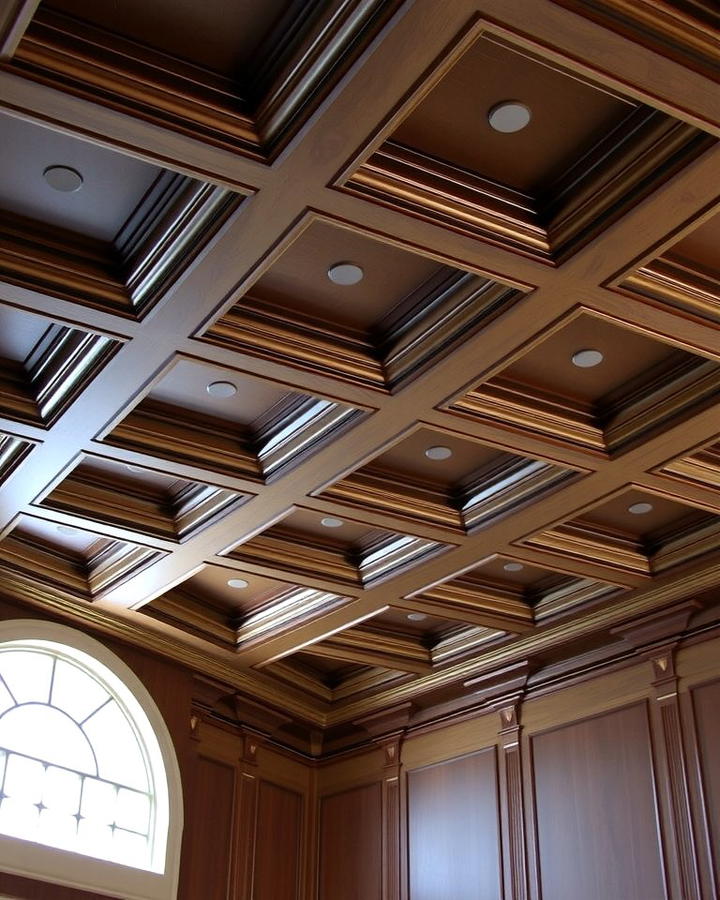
[[74, 772]]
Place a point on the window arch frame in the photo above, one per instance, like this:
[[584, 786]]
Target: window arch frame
[[39, 861]]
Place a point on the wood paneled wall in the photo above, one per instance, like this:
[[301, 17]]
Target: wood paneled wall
[[607, 788], [454, 829], [617, 796]]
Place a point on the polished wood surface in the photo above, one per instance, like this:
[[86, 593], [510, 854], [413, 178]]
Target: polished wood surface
[[278, 842], [597, 816], [351, 845], [454, 830]]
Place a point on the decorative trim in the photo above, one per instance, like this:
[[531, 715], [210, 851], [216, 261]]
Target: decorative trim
[[107, 565], [685, 31], [680, 543], [288, 610], [296, 427], [61, 364], [172, 223], [477, 603], [428, 188], [176, 514], [373, 646], [163, 431], [677, 283], [701, 467], [300, 60], [450, 306], [61, 263], [382, 558], [14, 20], [281, 438], [501, 488], [646, 149], [666, 393], [13, 451]]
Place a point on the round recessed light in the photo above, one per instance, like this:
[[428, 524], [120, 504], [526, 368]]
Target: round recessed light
[[513, 567], [417, 617], [66, 529], [509, 116], [221, 389], [331, 522], [345, 273], [587, 359], [63, 178], [438, 453], [640, 509], [237, 583]]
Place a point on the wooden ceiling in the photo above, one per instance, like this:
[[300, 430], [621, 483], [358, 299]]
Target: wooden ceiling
[[229, 159]]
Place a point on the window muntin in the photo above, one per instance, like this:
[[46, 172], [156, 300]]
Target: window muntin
[[74, 771]]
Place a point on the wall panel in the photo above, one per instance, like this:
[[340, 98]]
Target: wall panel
[[208, 832], [596, 812], [706, 705], [277, 843], [454, 835], [351, 844]]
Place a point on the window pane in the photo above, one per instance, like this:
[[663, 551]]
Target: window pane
[[23, 779], [75, 692], [95, 839], [61, 791], [133, 811], [57, 829], [98, 801], [18, 818], [27, 674], [116, 747], [47, 734], [130, 847]]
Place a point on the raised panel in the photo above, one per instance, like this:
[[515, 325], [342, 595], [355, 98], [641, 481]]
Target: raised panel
[[454, 840], [597, 818], [208, 832], [277, 843], [350, 844], [706, 702]]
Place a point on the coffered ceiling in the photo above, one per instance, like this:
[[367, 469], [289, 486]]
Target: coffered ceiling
[[314, 380]]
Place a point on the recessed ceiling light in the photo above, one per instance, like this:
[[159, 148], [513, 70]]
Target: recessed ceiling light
[[587, 359], [221, 389], [345, 273], [63, 178], [513, 567], [417, 617], [639, 509], [509, 116], [331, 522], [237, 583], [438, 453], [66, 529]]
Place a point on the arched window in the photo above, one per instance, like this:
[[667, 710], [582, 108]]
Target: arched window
[[85, 766]]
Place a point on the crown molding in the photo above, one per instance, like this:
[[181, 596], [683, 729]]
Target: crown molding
[[646, 149]]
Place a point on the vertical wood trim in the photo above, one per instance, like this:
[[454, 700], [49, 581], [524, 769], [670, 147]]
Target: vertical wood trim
[[512, 803], [245, 823], [698, 791], [666, 699], [391, 820]]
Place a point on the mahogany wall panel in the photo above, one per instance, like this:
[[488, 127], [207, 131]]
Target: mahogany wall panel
[[454, 836], [596, 811], [277, 843], [208, 832], [706, 704], [351, 844]]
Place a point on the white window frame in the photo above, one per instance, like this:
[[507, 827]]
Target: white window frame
[[32, 860]]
